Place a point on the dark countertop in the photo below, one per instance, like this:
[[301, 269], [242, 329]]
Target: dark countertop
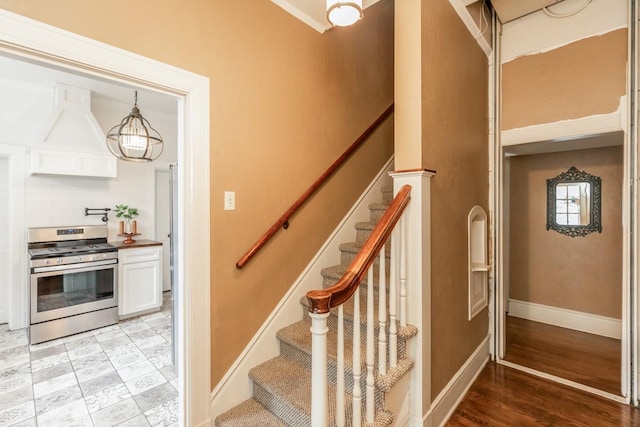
[[139, 243]]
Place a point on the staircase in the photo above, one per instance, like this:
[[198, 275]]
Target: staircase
[[282, 385]]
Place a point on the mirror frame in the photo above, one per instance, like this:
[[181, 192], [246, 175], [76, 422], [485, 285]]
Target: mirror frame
[[595, 223]]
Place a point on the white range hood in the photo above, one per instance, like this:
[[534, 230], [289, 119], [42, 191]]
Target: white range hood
[[73, 142]]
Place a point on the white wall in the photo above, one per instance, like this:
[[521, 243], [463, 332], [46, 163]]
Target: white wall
[[53, 200]]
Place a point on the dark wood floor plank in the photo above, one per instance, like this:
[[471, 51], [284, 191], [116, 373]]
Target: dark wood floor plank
[[587, 359], [502, 396]]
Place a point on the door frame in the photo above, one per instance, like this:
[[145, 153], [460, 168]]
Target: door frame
[[18, 287], [30, 40], [162, 167], [629, 369]]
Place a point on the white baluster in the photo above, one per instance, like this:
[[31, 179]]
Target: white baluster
[[340, 370], [319, 407], [403, 272], [393, 302], [382, 314], [370, 349], [357, 368]]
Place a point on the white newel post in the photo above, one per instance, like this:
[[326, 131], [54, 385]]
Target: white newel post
[[415, 241], [319, 391]]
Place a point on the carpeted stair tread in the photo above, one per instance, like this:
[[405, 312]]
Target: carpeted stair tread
[[297, 335], [284, 388], [249, 413]]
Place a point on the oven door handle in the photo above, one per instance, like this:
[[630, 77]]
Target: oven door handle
[[74, 266]]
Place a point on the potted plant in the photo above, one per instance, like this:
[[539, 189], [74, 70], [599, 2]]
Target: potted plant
[[128, 213]]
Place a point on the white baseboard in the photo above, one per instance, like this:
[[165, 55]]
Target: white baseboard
[[235, 386], [447, 401], [579, 321]]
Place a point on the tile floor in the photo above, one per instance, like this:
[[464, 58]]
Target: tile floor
[[120, 375]]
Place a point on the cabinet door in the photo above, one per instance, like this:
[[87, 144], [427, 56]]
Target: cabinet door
[[140, 287]]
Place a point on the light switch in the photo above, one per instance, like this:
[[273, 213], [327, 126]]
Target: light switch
[[229, 200]]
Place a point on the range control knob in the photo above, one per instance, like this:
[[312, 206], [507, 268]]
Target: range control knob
[[94, 257], [78, 259], [59, 261], [47, 262]]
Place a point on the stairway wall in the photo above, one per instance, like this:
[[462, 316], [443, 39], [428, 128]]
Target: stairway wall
[[234, 386]]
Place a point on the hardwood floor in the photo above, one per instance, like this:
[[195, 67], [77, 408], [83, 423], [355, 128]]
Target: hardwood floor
[[584, 358], [503, 396]]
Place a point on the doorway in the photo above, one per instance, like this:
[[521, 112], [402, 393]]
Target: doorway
[[562, 291], [29, 40]]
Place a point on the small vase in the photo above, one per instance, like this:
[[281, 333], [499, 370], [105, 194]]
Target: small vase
[[121, 227], [134, 227]]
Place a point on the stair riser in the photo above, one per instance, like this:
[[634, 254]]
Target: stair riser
[[303, 359], [375, 213], [347, 257], [387, 196], [363, 233], [281, 408], [294, 417]]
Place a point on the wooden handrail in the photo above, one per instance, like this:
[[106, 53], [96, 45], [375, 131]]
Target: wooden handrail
[[283, 221], [323, 300]]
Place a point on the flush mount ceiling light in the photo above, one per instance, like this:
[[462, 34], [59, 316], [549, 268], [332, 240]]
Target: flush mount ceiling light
[[134, 139], [344, 13]]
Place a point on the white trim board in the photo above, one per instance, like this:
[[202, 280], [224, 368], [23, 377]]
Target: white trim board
[[567, 130], [235, 386], [570, 319], [546, 376], [460, 6], [447, 401]]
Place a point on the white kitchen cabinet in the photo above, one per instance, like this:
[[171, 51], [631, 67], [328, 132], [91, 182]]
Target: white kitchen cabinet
[[139, 280]]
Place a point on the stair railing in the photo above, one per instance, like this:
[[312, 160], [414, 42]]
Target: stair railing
[[283, 221], [391, 227]]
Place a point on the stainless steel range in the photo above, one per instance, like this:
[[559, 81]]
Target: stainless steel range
[[74, 281]]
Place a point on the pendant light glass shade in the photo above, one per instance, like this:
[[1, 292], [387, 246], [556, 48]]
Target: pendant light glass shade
[[344, 13], [134, 139]]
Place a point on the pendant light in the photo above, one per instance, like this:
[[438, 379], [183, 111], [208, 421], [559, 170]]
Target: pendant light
[[134, 139], [344, 13]]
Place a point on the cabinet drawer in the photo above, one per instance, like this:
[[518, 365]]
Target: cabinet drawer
[[129, 256]]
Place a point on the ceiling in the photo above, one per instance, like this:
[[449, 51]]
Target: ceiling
[[313, 13], [508, 10], [101, 89]]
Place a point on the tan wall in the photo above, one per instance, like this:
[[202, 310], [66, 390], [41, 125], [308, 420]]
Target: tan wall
[[285, 102], [455, 144], [580, 79], [579, 273]]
